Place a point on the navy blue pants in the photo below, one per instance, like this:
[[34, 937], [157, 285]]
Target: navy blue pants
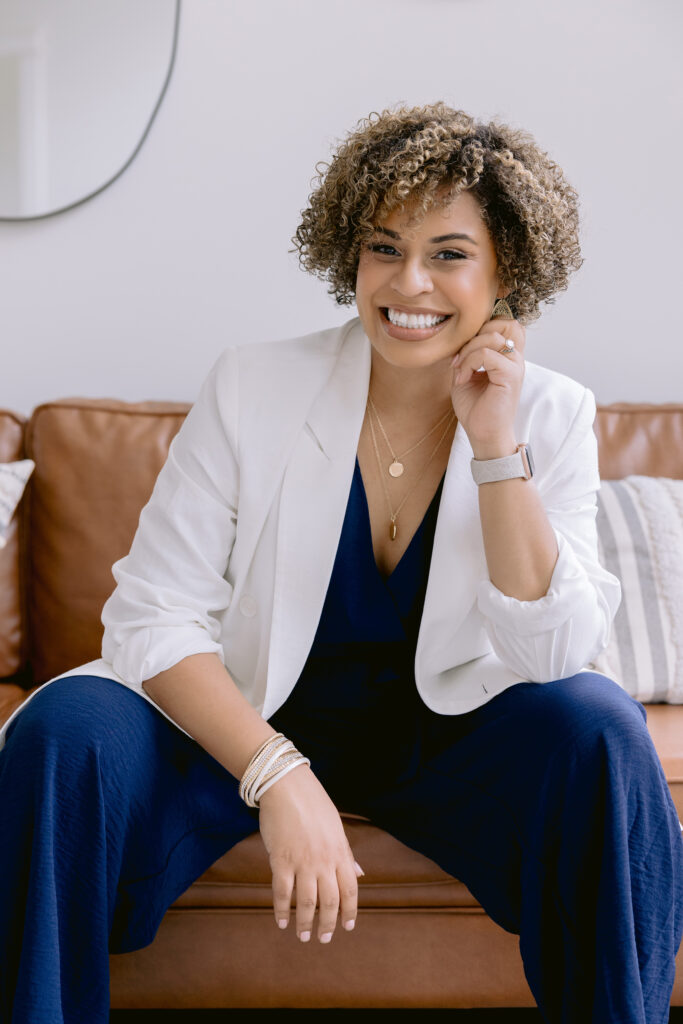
[[549, 802]]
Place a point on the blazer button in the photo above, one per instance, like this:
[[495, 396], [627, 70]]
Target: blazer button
[[248, 606]]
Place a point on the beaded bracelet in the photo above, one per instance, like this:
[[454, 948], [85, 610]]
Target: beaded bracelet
[[274, 759]]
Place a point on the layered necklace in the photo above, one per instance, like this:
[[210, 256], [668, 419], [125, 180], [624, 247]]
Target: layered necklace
[[396, 467]]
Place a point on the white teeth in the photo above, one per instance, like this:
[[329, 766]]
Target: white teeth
[[418, 321]]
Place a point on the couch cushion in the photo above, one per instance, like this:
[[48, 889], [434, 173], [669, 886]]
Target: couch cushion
[[96, 463], [12, 618], [665, 725], [643, 439], [395, 875]]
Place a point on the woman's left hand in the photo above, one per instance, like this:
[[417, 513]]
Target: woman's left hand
[[485, 401]]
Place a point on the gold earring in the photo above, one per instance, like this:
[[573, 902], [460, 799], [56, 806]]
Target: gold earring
[[501, 311]]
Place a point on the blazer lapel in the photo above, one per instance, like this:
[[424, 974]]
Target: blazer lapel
[[458, 564], [281, 399], [313, 502]]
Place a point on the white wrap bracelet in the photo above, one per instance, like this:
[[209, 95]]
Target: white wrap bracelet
[[271, 762]]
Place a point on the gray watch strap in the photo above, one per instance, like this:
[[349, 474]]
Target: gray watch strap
[[519, 464]]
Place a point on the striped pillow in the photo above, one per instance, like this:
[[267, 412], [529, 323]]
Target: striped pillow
[[640, 537], [13, 477]]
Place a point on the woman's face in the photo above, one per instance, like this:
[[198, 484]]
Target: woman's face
[[443, 269]]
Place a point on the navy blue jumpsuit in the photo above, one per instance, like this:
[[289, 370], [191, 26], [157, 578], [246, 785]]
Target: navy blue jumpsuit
[[549, 802]]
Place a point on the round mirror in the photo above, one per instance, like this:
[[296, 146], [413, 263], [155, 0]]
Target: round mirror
[[80, 84]]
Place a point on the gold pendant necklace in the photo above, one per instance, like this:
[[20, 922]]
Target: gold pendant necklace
[[396, 468], [393, 514]]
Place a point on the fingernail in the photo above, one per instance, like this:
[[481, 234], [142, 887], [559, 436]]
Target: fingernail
[[305, 936], [282, 923], [456, 360], [349, 925], [359, 870], [327, 937]]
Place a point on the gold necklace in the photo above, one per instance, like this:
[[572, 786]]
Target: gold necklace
[[393, 515], [396, 468]]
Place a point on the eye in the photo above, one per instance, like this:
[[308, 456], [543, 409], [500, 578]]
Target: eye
[[450, 254], [383, 249]]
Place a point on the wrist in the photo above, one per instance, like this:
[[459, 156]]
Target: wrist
[[284, 784], [494, 448]]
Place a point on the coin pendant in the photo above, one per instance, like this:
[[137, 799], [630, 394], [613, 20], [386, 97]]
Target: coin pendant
[[396, 468], [392, 530]]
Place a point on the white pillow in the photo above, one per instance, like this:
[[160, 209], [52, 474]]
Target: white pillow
[[13, 478], [640, 536]]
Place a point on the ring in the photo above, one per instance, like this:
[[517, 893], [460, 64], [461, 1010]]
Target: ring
[[507, 348]]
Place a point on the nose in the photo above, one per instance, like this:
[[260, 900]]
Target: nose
[[412, 278]]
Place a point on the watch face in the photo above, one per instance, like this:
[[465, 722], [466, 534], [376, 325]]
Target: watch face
[[525, 452]]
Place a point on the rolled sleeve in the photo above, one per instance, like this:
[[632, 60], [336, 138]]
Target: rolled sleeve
[[558, 634], [174, 584]]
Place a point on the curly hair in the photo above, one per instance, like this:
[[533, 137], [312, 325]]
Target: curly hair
[[426, 156]]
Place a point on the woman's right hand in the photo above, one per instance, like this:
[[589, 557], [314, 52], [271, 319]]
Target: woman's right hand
[[309, 853], [299, 823]]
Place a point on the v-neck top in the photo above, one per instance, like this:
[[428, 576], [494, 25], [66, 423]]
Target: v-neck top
[[361, 663]]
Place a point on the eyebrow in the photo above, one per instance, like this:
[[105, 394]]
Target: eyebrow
[[439, 238]]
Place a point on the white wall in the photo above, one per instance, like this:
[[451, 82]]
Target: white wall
[[134, 294]]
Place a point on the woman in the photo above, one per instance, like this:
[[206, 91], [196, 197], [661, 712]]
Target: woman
[[351, 549]]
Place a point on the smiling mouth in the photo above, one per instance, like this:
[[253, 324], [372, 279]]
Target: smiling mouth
[[413, 321]]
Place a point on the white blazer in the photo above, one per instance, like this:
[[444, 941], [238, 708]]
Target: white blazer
[[235, 549]]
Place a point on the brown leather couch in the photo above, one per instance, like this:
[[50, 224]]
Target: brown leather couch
[[422, 939]]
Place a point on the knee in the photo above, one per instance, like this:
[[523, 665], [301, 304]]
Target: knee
[[591, 710], [71, 715]]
